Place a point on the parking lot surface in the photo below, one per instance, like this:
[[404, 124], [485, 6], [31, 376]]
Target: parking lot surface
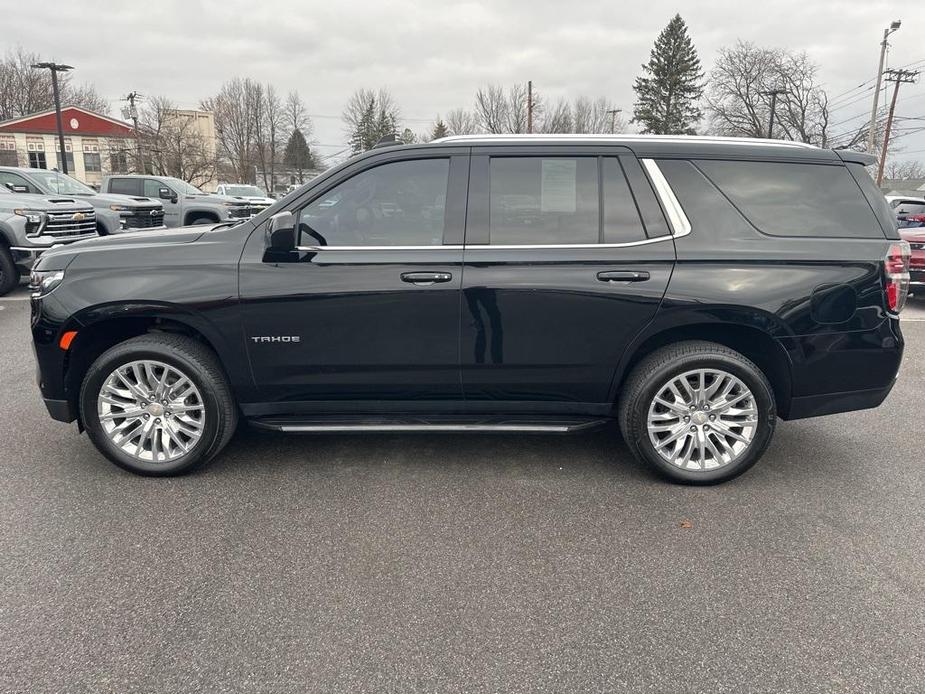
[[450, 563]]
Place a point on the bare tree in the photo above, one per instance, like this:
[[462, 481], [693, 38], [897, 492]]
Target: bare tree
[[596, 117], [739, 94], [459, 121], [558, 119], [491, 109], [368, 117], [173, 143], [234, 109], [904, 169], [296, 116], [25, 90]]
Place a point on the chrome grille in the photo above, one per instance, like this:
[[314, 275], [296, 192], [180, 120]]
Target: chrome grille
[[64, 224], [240, 211], [144, 218]]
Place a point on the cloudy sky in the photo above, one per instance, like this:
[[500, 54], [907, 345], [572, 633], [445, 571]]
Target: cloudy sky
[[433, 55]]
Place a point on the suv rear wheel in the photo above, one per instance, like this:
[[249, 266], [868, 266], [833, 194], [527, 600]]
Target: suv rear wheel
[[697, 412], [158, 405]]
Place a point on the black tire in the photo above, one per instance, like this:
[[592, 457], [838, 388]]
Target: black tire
[[656, 370], [9, 275], [197, 221], [195, 361]]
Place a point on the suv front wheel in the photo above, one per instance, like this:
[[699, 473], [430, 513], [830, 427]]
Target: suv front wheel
[[158, 404], [697, 412]]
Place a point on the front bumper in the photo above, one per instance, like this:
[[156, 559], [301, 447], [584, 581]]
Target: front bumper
[[60, 410]]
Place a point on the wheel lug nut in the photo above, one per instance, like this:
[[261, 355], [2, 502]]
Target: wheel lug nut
[[706, 427], [693, 428], [712, 417], [687, 419], [693, 408]]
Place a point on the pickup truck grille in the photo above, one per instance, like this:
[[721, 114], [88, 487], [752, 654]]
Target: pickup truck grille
[[144, 218], [69, 224], [239, 212]]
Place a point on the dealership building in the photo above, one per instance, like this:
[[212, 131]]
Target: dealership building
[[94, 145]]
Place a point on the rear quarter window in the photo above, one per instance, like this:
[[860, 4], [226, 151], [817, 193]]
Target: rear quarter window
[[784, 199]]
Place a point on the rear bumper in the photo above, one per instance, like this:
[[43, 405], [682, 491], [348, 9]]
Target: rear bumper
[[833, 403]]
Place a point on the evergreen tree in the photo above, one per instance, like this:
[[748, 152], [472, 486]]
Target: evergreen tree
[[297, 154], [440, 130], [668, 92]]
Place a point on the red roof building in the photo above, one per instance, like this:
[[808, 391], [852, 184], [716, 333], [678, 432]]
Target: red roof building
[[95, 145]]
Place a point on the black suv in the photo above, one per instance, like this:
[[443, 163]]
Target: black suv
[[694, 289]]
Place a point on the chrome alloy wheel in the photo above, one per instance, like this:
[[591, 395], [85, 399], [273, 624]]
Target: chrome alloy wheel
[[702, 420], [151, 411]]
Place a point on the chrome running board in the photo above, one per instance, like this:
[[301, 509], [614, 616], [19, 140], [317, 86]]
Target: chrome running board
[[404, 426]]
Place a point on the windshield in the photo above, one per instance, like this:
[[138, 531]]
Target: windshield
[[250, 191], [55, 182], [183, 187]]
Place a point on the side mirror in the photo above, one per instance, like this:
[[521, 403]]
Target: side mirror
[[17, 189], [280, 235], [167, 194]]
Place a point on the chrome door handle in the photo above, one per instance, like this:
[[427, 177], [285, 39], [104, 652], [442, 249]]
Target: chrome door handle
[[623, 276], [425, 278]]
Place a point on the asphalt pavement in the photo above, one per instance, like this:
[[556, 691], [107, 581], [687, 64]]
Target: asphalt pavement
[[444, 563]]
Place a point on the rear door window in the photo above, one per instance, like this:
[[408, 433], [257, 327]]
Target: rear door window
[[125, 186], [784, 199], [544, 201]]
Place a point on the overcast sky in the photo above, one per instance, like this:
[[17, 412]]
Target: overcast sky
[[433, 55]]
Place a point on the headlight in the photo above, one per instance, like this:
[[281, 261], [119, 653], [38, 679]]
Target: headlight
[[118, 208], [233, 204], [35, 220], [43, 282]]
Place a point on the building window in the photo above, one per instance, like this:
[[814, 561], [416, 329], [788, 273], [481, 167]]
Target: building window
[[37, 160], [118, 162], [92, 162]]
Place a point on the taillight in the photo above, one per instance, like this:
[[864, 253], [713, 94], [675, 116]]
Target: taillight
[[896, 276], [915, 218]]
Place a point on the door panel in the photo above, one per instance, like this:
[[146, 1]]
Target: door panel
[[362, 319], [549, 322]]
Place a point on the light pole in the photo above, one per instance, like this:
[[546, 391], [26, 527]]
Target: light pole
[[613, 118], [55, 69], [872, 128]]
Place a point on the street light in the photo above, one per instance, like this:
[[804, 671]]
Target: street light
[[55, 69], [872, 128]]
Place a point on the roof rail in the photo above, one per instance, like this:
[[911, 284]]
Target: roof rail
[[744, 141]]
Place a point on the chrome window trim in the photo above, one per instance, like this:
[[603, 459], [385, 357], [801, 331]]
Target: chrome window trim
[[314, 249], [678, 220], [680, 224]]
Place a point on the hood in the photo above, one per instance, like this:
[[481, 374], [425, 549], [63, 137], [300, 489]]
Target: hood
[[139, 241], [132, 201], [218, 199], [43, 202]]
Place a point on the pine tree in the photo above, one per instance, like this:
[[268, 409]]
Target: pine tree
[[440, 130], [668, 92], [297, 154]]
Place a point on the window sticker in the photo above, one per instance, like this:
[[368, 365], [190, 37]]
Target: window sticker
[[558, 192]]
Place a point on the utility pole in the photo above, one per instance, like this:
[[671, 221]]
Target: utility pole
[[613, 118], [872, 127], [55, 69], [773, 94], [897, 77], [529, 106], [131, 97]]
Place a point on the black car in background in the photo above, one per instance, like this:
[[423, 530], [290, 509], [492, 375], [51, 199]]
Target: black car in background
[[693, 289]]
